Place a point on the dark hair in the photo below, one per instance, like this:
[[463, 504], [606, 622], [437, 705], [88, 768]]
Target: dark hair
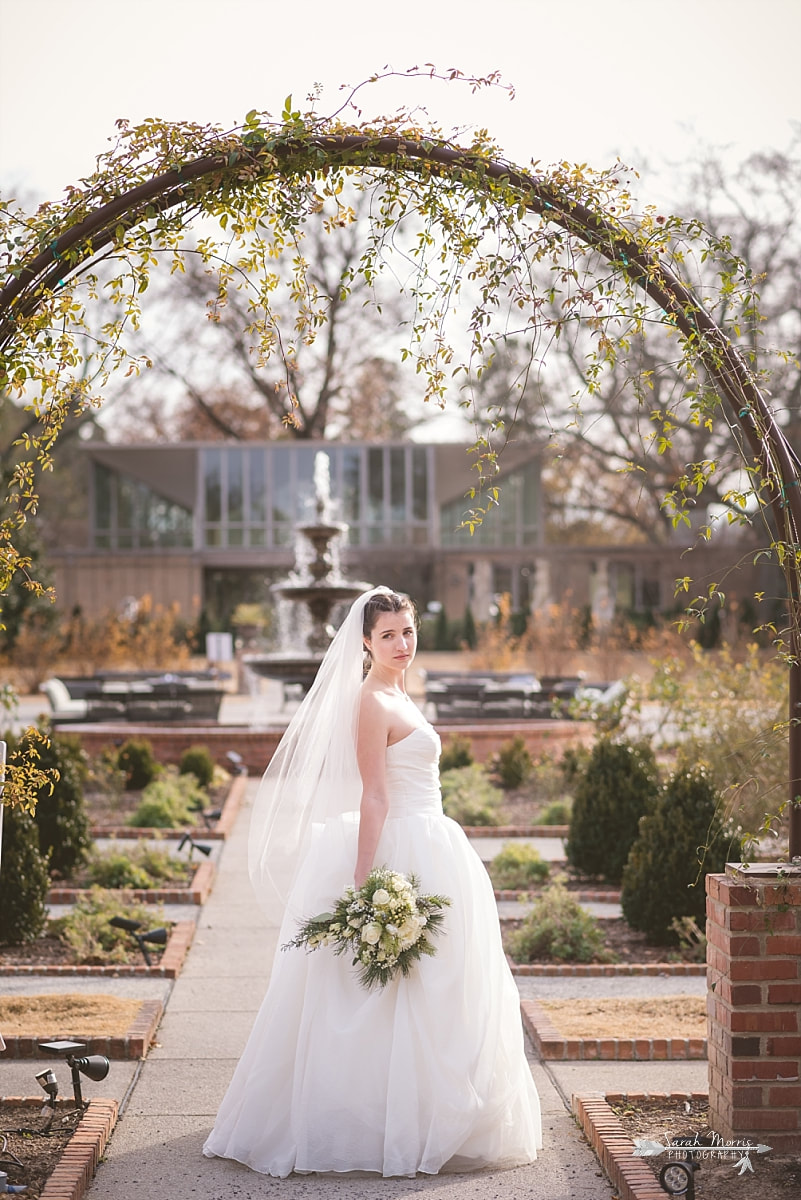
[[386, 602]]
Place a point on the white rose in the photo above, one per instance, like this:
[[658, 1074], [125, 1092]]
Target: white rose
[[371, 933], [381, 897]]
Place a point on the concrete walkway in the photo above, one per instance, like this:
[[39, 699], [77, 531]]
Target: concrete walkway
[[155, 1150]]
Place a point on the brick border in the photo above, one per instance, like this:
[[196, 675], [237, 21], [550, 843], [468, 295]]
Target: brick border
[[168, 967], [221, 830], [593, 970], [134, 1043], [583, 895], [197, 890], [79, 1159], [631, 1177], [512, 831], [555, 1047]]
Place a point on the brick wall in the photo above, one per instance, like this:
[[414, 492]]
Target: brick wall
[[754, 1004]]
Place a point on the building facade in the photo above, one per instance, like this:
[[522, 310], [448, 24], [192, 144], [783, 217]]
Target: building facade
[[207, 526]]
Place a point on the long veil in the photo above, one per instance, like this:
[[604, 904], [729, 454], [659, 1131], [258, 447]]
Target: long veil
[[313, 775]]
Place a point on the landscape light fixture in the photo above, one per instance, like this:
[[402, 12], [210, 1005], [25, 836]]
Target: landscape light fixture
[[193, 845], [678, 1178], [157, 937], [208, 814], [93, 1066], [47, 1080], [237, 762]]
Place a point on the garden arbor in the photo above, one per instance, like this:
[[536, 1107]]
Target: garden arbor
[[476, 217]]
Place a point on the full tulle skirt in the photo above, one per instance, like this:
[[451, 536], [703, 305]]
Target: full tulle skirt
[[428, 1073]]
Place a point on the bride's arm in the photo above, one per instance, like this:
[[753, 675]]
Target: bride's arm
[[371, 752]]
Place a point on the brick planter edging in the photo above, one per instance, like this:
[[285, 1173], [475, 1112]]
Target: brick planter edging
[[513, 831], [554, 1046], [168, 967], [196, 892], [583, 896], [228, 812], [593, 970], [632, 1178], [135, 1043], [75, 1169]]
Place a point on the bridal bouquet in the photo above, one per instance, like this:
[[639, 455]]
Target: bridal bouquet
[[386, 924]]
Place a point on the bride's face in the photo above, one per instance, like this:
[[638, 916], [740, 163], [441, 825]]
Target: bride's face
[[393, 641]]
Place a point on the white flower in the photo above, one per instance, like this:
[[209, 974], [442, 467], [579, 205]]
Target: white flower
[[381, 897], [371, 933]]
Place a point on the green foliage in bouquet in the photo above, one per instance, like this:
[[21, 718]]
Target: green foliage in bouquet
[[386, 924]]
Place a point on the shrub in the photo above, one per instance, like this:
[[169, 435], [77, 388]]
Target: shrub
[[469, 797], [169, 802], [556, 813], [61, 816], [87, 932], [23, 880], [559, 928], [518, 866], [678, 842], [617, 787], [105, 776], [197, 761], [457, 752], [513, 763], [141, 866], [136, 760]]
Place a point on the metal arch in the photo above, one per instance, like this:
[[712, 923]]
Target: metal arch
[[726, 367]]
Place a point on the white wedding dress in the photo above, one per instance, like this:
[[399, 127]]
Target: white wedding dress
[[427, 1074]]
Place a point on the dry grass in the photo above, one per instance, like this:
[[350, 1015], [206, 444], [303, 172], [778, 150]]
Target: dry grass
[[92, 1015], [629, 1017]]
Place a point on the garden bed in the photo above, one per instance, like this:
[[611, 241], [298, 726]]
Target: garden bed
[[612, 1123], [617, 1028], [58, 1166], [195, 890], [48, 955], [627, 945], [108, 815], [118, 1028]]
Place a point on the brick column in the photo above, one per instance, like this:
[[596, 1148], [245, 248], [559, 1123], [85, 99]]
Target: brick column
[[754, 1004]]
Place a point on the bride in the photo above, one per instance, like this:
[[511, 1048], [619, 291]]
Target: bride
[[428, 1073]]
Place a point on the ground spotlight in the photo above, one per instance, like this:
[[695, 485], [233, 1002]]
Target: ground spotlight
[[157, 937], [193, 845], [93, 1066], [237, 762]]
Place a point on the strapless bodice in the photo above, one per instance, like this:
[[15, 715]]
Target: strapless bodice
[[413, 773]]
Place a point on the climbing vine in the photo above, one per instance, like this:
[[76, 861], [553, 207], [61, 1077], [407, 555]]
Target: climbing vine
[[481, 249]]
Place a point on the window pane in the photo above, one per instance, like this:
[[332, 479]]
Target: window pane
[[375, 484], [212, 475], [257, 488], [281, 490], [103, 492], [420, 483], [304, 491], [351, 485], [235, 494], [397, 484]]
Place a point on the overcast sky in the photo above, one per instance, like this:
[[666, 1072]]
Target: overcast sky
[[645, 79]]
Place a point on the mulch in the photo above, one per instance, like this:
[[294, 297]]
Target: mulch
[[37, 1154], [774, 1176], [50, 951]]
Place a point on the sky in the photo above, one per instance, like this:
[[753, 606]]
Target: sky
[[643, 79]]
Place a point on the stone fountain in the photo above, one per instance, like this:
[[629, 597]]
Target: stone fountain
[[315, 582]]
